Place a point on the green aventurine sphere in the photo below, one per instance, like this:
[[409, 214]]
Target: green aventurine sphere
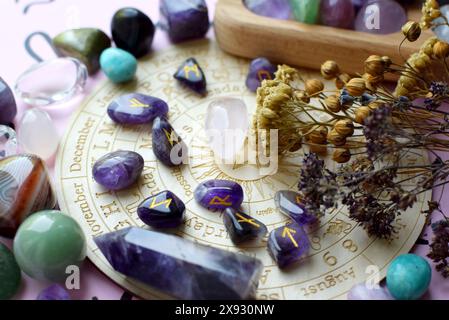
[[47, 243], [10, 275], [306, 11], [408, 277]]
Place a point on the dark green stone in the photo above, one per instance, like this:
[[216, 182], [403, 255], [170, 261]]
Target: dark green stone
[[10, 275], [85, 44]]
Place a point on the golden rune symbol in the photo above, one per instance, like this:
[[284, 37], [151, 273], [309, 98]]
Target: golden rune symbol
[[287, 232], [194, 69], [135, 103], [249, 221], [155, 204], [171, 137], [298, 199], [220, 201], [263, 74]]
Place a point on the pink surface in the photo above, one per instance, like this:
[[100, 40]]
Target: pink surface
[[52, 17]]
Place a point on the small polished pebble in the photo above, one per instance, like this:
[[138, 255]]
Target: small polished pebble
[[260, 69], [381, 17], [168, 146], [408, 277], [8, 142], [133, 31], [10, 275], [35, 127], [163, 210], [288, 245], [219, 194], [84, 44], [47, 243], [362, 292], [54, 292], [136, 108], [241, 227], [118, 65], [192, 76], [118, 170], [26, 188], [184, 19], [8, 108], [306, 11], [278, 9], [289, 203], [338, 13]]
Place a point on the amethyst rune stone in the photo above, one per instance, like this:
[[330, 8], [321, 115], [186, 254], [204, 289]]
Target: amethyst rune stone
[[136, 108], [192, 76], [184, 19], [168, 146], [164, 210], [337, 13], [381, 17], [278, 9], [241, 227], [178, 267], [260, 69], [219, 194], [54, 292], [288, 244], [8, 108], [118, 170], [289, 203]]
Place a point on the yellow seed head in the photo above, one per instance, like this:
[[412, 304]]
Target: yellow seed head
[[375, 65], [441, 50], [330, 70], [336, 138], [411, 30], [319, 135], [344, 127], [361, 114], [314, 86], [356, 87], [341, 155], [333, 103]]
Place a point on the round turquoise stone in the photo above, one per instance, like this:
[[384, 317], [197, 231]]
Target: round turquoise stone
[[10, 275], [118, 65], [306, 11], [408, 277], [47, 243]]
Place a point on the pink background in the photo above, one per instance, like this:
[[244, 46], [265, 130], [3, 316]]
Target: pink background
[[52, 18]]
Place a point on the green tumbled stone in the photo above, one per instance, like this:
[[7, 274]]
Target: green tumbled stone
[[306, 11], [47, 243], [10, 275], [85, 44]]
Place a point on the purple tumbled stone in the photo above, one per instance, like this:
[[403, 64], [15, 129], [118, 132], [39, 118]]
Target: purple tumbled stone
[[163, 210], [381, 17], [358, 4], [288, 244], [179, 267], [54, 292], [289, 203], [278, 9], [219, 194], [242, 227], [136, 108], [168, 146], [260, 69], [337, 13], [8, 108], [184, 19], [118, 170], [362, 292]]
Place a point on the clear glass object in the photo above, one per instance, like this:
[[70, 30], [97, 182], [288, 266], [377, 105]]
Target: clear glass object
[[51, 81], [8, 142]]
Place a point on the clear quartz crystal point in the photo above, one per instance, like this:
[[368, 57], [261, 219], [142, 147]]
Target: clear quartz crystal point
[[8, 142], [51, 81]]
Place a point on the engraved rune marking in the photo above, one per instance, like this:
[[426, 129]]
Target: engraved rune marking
[[135, 103], [155, 204], [221, 201], [298, 199], [249, 221], [287, 232], [171, 137], [194, 69], [263, 74]]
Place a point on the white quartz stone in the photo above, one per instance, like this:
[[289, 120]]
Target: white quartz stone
[[8, 142]]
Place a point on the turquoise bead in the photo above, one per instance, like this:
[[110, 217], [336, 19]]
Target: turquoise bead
[[306, 11], [408, 277], [47, 243], [10, 275], [118, 65]]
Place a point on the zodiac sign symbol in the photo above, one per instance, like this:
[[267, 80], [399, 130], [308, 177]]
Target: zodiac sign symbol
[[220, 201], [250, 221], [135, 103], [167, 203], [29, 5]]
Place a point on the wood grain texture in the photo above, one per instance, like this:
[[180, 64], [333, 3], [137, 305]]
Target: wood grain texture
[[243, 33]]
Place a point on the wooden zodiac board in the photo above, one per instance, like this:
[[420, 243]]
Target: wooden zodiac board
[[341, 254]]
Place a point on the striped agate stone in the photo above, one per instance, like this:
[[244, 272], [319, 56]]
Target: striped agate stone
[[25, 188]]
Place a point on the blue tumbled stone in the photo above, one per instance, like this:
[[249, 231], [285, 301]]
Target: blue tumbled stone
[[118, 65]]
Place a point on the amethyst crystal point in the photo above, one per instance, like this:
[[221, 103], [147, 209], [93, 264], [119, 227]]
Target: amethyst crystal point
[[136, 108], [164, 210], [192, 76], [178, 267], [219, 194], [288, 244], [168, 146], [278, 9], [381, 17], [118, 170], [8, 108], [289, 203], [259, 70], [184, 19], [241, 227], [54, 292]]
